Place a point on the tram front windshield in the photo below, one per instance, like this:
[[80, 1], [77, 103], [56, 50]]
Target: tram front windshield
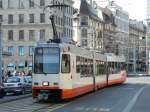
[[46, 60]]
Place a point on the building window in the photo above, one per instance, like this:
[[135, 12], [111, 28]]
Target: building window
[[1, 18], [21, 4], [31, 3], [42, 34], [84, 33], [31, 34], [10, 67], [42, 2], [84, 20], [10, 34], [21, 18], [84, 42], [21, 35], [1, 3], [42, 18], [10, 19], [21, 50], [10, 4], [31, 18], [11, 50], [30, 50]]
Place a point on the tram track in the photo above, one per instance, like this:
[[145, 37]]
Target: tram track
[[29, 105], [44, 108], [13, 98], [50, 107]]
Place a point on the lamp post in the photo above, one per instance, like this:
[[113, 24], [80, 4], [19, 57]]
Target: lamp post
[[147, 42], [0, 52]]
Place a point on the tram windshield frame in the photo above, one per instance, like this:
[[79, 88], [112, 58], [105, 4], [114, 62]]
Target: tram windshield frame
[[47, 60]]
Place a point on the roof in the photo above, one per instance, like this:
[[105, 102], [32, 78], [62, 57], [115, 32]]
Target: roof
[[106, 11], [87, 9]]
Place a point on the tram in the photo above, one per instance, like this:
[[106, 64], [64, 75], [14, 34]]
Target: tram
[[65, 71]]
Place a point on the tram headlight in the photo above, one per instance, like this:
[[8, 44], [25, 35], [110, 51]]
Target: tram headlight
[[45, 83]]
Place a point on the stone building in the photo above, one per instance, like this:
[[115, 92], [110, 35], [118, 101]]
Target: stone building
[[94, 27], [137, 46], [122, 22], [25, 22]]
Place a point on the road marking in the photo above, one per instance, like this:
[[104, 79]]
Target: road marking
[[57, 107], [134, 99]]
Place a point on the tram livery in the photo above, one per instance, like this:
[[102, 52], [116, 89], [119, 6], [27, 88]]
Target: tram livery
[[64, 71]]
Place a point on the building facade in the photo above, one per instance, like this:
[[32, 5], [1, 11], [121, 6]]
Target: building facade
[[89, 26], [137, 46], [122, 22], [94, 27], [109, 32], [25, 22], [148, 37]]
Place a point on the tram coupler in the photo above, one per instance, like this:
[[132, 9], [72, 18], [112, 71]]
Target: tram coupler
[[43, 96]]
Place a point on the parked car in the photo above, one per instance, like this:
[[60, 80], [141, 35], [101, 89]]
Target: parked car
[[2, 92], [28, 80], [17, 85]]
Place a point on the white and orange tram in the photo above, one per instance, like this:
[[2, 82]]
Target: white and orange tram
[[65, 71]]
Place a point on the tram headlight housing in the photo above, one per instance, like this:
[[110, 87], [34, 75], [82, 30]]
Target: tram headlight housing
[[45, 83]]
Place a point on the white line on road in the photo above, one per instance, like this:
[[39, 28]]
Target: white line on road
[[134, 99], [58, 107]]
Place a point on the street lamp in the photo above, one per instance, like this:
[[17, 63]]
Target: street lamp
[[0, 52]]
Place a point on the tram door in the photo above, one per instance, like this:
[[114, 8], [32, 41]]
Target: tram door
[[66, 77]]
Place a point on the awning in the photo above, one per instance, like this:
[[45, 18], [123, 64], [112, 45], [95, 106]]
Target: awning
[[21, 65], [30, 65], [10, 65]]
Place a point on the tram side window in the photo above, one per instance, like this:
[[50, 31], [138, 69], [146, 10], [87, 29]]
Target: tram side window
[[122, 66], [86, 67], [83, 68], [98, 68], [101, 67], [78, 66], [110, 68], [91, 67], [65, 63], [115, 67]]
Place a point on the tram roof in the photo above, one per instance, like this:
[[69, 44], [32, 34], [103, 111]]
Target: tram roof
[[83, 52], [79, 51]]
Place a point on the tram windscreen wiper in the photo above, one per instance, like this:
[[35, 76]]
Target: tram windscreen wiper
[[44, 73]]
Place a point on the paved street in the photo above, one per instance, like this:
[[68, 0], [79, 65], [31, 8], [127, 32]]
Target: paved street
[[133, 96], [12, 97]]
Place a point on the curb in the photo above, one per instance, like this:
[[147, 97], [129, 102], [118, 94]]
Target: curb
[[147, 75]]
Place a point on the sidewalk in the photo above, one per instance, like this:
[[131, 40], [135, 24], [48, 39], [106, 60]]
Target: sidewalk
[[138, 74], [138, 80]]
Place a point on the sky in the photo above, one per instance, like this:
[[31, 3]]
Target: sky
[[135, 8]]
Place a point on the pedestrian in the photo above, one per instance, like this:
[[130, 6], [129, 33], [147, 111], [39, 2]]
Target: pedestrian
[[29, 73], [9, 74]]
